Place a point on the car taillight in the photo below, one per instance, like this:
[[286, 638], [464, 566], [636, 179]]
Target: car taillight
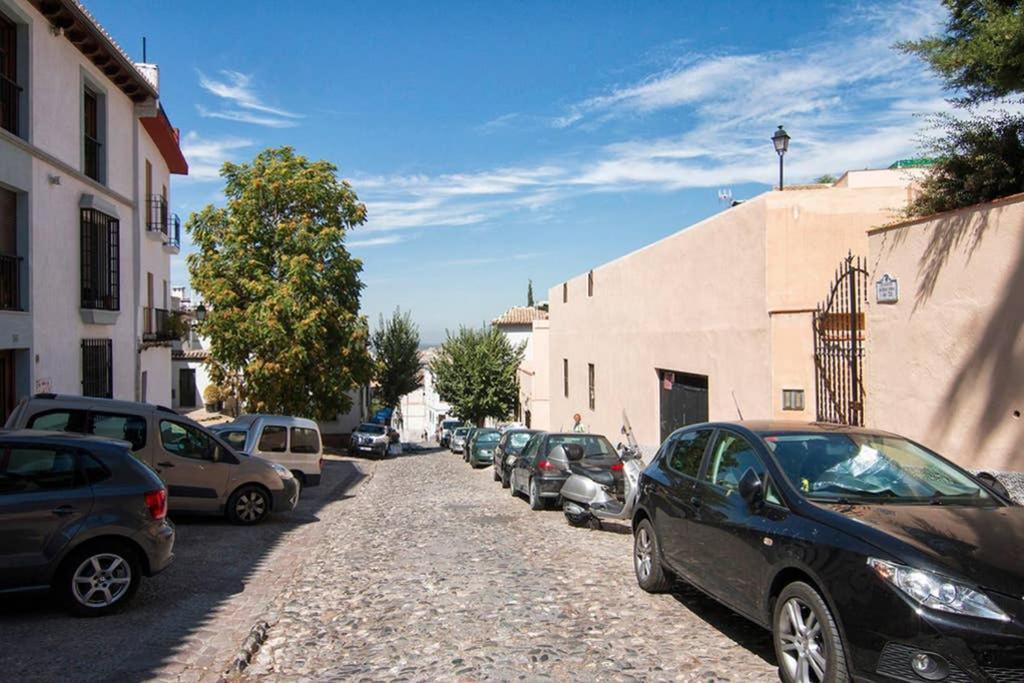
[[156, 501], [617, 467], [546, 466]]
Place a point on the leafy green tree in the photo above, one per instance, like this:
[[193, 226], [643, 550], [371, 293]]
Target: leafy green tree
[[981, 52], [281, 290], [826, 179], [396, 349], [476, 373], [529, 293]]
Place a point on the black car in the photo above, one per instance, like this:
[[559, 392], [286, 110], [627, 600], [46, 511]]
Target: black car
[[80, 515], [537, 478], [509, 447], [867, 555]]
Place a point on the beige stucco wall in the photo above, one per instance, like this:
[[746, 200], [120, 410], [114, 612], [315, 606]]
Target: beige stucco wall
[[946, 363]]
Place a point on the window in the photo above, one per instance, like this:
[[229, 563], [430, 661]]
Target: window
[[590, 383], [565, 292], [10, 262], [590, 283], [130, 428], [100, 261], [235, 438], [92, 134], [565, 377], [273, 440], [792, 399], [97, 368], [305, 440], [10, 91], [185, 441], [28, 470], [58, 421], [530, 450], [685, 453], [731, 458]]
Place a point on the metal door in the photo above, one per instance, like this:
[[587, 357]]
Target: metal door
[[839, 335], [684, 400]]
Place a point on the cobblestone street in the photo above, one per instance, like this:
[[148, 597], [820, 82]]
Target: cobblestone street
[[433, 571]]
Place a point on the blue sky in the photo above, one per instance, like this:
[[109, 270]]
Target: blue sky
[[494, 143]]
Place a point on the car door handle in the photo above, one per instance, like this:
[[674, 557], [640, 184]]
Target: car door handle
[[165, 464], [63, 510]]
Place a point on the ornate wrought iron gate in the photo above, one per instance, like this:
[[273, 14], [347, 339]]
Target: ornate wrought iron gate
[[839, 334]]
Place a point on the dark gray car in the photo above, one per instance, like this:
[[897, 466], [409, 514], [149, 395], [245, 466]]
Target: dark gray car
[[80, 515]]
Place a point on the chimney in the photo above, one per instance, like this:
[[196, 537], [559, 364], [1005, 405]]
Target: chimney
[[151, 72]]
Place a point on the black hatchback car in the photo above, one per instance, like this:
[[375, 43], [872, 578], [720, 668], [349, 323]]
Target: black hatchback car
[[867, 555], [512, 443], [541, 481], [80, 515]]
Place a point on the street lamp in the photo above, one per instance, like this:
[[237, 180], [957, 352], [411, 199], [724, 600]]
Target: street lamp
[[781, 142], [200, 312]]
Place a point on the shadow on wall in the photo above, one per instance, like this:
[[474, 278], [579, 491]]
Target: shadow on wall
[[994, 368]]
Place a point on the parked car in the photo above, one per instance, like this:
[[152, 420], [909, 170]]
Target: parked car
[[469, 442], [458, 441], [538, 479], [509, 447], [203, 473], [291, 441], [867, 555], [370, 437], [448, 427], [481, 450], [81, 516]]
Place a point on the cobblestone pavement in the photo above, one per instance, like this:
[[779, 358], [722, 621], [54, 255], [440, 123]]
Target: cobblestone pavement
[[187, 623], [434, 572]]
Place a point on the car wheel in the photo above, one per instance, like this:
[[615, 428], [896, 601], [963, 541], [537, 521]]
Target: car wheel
[[647, 559], [807, 643], [248, 505], [99, 579], [505, 483], [577, 520], [495, 473], [536, 502]]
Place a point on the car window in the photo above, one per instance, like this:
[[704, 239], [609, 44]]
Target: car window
[[30, 470], [130, 428], [730, 458], [593, 446], [532, 447], [273, 439], [686, 452], [488, 437], [770, 493], [185, 441], [305, 440], [371, 429], [58, 421], [235, 438]]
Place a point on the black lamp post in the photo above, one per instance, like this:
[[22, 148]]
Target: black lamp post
[[781, 142], [200, 312]]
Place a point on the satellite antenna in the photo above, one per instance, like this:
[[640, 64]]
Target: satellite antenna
[[725, 195]]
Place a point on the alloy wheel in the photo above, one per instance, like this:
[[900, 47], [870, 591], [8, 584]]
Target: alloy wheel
[[642, 554], [250, 506], [101, 580], [804, 655]]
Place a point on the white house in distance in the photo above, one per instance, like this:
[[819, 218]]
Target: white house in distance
[[528, 325], [86, 235], [423, 409]]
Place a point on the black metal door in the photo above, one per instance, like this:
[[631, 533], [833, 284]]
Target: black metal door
[[684, 400], [839, 334], [187, 387]]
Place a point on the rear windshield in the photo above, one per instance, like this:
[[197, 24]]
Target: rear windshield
[[450, 424], [461, 431], [488, 437], [517, 440], [593, 446], [371, 429]]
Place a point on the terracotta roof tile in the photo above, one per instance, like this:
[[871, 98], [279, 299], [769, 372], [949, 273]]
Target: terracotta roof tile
[[520, 315]]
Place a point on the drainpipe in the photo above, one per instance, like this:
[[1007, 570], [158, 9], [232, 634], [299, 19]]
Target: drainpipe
[[136, 256]]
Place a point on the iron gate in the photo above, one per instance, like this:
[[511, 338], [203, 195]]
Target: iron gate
[[839, 334]]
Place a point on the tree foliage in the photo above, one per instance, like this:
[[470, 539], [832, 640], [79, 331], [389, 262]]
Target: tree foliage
[[476, 373], [981, 52], [826, 179], [529, 293], [397, 367], [281, 290]]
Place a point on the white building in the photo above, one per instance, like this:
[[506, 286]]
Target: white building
[[528, 325], [423, 409], [86, 154]]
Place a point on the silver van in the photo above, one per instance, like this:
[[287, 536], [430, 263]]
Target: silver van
[[290, 441], [202, 473]]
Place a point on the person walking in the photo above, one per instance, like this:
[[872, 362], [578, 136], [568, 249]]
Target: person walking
[[577, 424]]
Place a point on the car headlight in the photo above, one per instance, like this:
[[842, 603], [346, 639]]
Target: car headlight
[[282, 471], [936, 591]]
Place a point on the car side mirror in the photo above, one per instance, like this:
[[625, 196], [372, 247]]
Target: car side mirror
[[992, 483], [751, 488]]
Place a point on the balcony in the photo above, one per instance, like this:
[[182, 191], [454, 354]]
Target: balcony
[[10, 99], [156, 218], [10, 276], [172, 244], [161, 325]]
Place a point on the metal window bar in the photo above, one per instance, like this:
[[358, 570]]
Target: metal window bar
[[10, 101], [174, 234], [156, 221], [10, 278], [100, 261], [98, 368]]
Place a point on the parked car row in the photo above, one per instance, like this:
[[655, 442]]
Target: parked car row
[[868, 556], [86, 485]]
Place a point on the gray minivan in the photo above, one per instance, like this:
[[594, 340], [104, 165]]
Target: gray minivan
[[202, 473]]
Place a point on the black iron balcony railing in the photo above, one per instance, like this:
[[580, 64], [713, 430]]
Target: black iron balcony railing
[[174, 233], [93, 151], [159, 324], [10, 276], [10, 101], [156, 217]]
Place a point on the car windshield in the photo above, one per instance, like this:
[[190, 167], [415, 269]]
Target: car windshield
[[451, 424], [488, 437], [461, 431], [593, 446], [235, 438], [873, 468], [518, 440], [371, 429]]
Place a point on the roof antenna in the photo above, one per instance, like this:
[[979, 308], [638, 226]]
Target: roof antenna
[[740, 412], [144, 50]]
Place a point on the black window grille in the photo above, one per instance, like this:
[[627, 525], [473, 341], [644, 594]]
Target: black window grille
[[565, 377], [98, 368], [100, 261], [10, 91]]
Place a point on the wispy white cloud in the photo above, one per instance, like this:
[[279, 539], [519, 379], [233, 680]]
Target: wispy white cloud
[[241, 103], [206, 155], [375, 241]]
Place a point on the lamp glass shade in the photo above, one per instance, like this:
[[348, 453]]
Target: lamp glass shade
[[781, 140], [200, 312]]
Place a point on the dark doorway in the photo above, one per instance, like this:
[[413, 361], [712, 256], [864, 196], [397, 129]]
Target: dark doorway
[[7, 397], [187, 387], [684, 400]]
